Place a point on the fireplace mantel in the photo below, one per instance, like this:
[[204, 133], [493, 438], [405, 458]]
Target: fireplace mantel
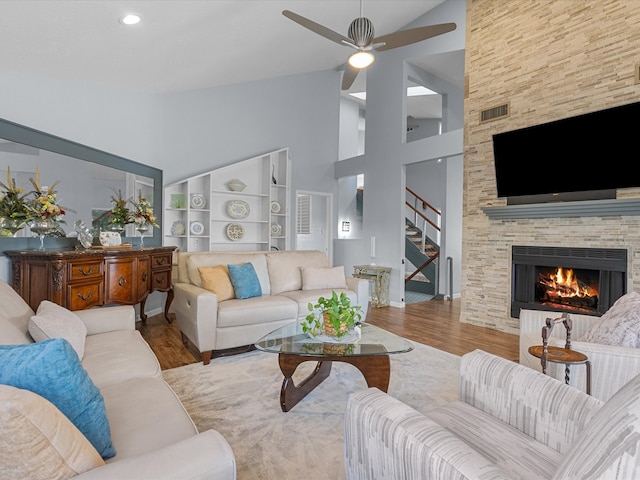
[[594, 208]]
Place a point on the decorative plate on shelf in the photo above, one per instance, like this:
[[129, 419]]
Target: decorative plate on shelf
[[275, 207], [276, 230], [178, 228], [238, 209], [198, 200], [196, 228], [235, 231]]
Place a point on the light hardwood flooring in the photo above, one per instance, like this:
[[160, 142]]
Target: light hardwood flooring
[[435, 323]]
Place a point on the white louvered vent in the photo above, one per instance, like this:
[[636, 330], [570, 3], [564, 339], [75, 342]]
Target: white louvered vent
[[494, 113]]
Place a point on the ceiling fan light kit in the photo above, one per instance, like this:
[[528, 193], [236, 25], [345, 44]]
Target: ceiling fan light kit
[[361, 59], [362, 37]]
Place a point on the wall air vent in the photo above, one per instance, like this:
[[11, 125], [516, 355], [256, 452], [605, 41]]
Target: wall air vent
[[494, 113]]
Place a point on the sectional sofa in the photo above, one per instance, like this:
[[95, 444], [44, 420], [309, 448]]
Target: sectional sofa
[[214, 319], [96, 362]]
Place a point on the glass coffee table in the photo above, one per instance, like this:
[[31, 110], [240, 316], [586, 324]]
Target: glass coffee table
[[369, 354]]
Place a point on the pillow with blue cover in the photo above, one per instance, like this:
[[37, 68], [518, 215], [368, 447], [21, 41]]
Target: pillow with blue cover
[[53, 370], [245, 280]]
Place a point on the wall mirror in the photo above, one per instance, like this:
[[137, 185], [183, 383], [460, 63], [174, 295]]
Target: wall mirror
[[88, 179]]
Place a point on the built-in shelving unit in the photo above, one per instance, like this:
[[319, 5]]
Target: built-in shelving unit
[[203, 213], [595, 208]]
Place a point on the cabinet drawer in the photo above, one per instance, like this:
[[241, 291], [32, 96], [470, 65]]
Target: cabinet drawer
[[162, 260], [79, 270], [85, 295], [161, 280]]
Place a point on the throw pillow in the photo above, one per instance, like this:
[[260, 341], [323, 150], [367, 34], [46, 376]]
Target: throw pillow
[[315, 278], [53, 321], [216, 279], [245, 280], [620, 325], [38, 441], [53, 370]]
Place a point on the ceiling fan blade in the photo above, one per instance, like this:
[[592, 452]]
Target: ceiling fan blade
[[348, 77], [412, 35], [317, 28]]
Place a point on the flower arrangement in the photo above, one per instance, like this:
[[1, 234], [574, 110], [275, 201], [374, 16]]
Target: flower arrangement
[[143, 211], [44, 205], [119, 213], [13, 204]]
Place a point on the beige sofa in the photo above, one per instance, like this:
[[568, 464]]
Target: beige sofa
[[214, 326], [509, 422], [152, 433]]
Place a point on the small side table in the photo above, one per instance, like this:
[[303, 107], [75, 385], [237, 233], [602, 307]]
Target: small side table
[[565, 356], [380, 277]]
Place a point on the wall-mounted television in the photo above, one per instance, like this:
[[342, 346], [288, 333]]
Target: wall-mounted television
[[582, 157]]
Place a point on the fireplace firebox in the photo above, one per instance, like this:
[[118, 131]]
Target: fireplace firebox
[[565, 279]]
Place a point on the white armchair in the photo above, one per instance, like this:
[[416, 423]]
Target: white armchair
[[611, 366], [508, 422]]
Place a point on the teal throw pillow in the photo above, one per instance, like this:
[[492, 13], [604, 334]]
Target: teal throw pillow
[[53, 370], [245, 280]]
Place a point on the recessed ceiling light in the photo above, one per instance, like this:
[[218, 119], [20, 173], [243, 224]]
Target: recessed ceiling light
[[130, 19]]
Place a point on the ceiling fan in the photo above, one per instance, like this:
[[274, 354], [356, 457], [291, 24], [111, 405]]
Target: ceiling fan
[[361, 37]]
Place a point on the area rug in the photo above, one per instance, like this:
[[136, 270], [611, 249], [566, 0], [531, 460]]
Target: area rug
[[240, 397]]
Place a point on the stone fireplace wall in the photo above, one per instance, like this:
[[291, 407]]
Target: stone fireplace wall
[[547, 59]]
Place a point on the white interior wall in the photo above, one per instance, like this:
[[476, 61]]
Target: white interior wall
[[187, 133], [386, 150]]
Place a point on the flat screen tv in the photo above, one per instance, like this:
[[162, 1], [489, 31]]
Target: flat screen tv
[[592, 154]]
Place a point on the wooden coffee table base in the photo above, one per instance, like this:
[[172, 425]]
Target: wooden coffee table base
[[376, 370]]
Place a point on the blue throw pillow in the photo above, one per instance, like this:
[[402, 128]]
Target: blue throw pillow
[[53, 370], [245, 280]]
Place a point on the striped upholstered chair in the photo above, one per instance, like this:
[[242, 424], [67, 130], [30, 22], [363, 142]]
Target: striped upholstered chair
[[509, 422]]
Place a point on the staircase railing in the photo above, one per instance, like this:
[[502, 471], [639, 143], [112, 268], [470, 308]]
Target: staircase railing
[[417, 205], [420, 220]]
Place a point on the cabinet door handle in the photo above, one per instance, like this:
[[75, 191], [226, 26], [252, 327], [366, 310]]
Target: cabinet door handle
[[88, 272], [122, 281], [82, 297], [160, 261], [144, 277]]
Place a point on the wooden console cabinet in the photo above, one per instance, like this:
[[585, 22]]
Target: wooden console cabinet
[[78, 280]]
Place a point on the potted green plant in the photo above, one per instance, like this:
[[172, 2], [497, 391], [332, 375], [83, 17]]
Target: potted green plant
[[334, 314]]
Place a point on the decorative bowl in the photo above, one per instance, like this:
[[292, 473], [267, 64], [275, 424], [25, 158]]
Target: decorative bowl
[[110, 239], [236, 185]]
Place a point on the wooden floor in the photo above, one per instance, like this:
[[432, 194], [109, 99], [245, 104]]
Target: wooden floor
[[435, 323]]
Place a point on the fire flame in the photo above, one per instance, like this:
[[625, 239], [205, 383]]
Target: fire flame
[[565, 284]]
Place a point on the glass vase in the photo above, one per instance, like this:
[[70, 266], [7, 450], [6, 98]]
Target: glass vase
[[12, 225], [42, 226], [117, 227], [142, 229]]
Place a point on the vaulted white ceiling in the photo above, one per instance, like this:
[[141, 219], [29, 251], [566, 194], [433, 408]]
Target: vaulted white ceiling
[[183, 44]]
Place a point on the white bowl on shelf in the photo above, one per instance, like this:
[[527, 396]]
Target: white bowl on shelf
[[236, 185]]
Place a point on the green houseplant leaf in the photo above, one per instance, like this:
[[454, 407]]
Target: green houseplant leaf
[[337, 310]]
